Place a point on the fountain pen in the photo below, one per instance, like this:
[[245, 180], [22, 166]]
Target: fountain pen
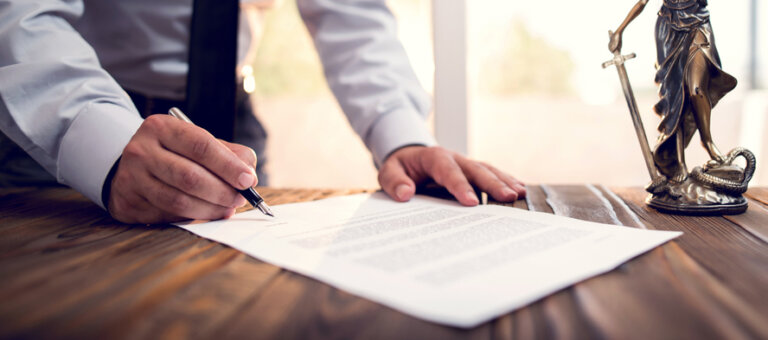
[[250, 194]]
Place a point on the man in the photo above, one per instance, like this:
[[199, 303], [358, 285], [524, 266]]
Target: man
[[64, 66]]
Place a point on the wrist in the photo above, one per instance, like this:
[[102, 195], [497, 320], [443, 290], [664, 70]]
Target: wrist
[[106, 189]]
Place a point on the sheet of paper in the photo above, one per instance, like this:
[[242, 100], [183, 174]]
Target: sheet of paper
[[432, 258]]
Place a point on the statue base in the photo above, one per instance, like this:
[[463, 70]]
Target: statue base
[[692, 198], [713, 189]]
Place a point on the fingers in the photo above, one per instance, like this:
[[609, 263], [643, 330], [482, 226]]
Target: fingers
[[442, 167], [200, 147], [193, 179], [138, 197], [515, 184], [130, 208], [487, 180], [395, 182], [175, 202], [452, 171]]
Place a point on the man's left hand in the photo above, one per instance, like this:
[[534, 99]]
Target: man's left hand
[[412, 165]]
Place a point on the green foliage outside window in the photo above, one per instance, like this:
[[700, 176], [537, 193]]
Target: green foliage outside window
[[526, 64]]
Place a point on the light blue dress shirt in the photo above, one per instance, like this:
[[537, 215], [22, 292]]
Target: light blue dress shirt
[[64, 64]]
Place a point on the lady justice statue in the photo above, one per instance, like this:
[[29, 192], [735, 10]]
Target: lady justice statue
[[691, 82]]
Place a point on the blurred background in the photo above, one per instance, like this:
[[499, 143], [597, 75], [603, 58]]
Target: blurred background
[[539, 105]]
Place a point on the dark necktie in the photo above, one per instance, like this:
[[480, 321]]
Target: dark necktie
[[212, 66]]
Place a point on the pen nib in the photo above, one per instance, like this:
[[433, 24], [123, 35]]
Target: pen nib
[[264, 208]]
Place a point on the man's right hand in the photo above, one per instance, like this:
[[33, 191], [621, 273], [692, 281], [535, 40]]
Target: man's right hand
[[172, 170]]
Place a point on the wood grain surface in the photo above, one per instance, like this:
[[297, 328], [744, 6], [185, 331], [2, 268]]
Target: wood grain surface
[[67, 270]]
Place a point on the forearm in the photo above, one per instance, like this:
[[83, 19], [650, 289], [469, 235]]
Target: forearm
[[633, 13], [58, 104], [369, 73]]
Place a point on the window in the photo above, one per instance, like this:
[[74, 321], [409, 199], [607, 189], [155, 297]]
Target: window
[[538, 103]]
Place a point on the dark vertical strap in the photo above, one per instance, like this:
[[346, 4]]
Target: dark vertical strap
[[212, 66]]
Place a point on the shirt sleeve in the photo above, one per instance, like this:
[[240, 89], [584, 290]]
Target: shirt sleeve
[[56, 101], [369, 73]]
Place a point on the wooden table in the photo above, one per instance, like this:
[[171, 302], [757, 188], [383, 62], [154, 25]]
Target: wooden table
[[68, 270]]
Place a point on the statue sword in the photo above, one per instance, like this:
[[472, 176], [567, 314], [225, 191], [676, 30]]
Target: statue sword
[[618, 61]]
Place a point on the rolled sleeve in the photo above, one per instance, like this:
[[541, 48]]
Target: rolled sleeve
[[94, 141], [56, 101]]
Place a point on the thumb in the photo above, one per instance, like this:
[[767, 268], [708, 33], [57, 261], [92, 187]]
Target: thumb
[[395, 182]]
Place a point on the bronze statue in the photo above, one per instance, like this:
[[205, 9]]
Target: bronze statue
[[691, 82]]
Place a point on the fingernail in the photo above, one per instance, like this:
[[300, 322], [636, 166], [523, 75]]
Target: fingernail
[[245, 180], [472, 197], [401, 192], [519, 188]]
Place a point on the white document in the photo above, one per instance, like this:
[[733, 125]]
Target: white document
[[432, 258]]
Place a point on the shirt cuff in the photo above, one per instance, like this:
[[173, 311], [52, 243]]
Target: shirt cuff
[[395, 130], [94, 141]]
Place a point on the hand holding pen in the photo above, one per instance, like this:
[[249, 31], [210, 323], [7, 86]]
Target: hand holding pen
[[171, 171], [249, 194]]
